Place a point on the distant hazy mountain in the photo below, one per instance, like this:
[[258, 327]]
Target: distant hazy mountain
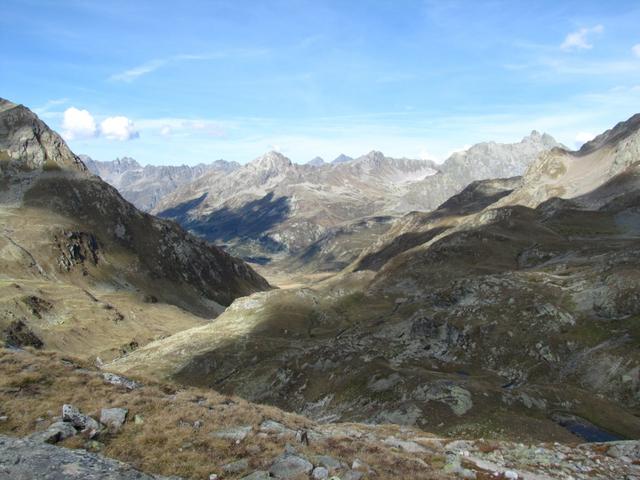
[[341, 159], [316, 162], [145, 186]]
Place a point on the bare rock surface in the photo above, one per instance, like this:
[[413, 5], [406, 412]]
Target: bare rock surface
[[26, 459]]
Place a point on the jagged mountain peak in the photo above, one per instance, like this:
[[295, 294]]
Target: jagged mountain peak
[[272, 161], [127, 162], [317, 162], [373, 158], [27, 144], [541, 138]]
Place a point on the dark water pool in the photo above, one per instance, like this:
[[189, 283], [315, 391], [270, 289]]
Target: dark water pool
[[584, 429]]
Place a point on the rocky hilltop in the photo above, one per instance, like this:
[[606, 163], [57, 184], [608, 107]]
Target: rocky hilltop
[[146, 186], [508, 312], [80, 263]]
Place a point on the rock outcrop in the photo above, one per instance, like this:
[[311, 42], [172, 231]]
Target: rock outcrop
[[25, 459]]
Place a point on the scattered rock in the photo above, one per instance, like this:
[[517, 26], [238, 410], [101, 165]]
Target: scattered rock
[[234, 433], [257, 475], [320, 473], [289, 466], [82, 422], [120, 380], [236, 467], [328, 462], [271, 426], [56, 432], [406, 445], [352, 475], [113, 418], [625, 449], [138, 419], [359, 465], [4, 418]]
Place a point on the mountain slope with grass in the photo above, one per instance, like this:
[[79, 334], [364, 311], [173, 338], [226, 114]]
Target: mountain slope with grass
[[83, 270]]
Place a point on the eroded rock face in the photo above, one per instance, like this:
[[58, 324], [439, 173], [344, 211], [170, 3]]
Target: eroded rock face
[[22, 459], [26, 143], [18, 334]]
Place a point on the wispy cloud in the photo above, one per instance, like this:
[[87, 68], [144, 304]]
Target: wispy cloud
[[636, 50], [133, 73], [43, 110], [138, 71], [580, 39]]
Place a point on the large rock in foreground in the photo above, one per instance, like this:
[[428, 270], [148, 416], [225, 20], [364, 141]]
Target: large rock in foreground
[[24, 459]]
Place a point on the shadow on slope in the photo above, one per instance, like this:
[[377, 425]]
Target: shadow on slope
[[251, 221], [474, 198]]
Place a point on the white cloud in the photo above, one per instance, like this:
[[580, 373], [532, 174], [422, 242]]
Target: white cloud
[[636, 50], [166, 130], [118, 128], [579, 40], [78, 124]]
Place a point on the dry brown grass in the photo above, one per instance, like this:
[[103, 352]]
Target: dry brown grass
[[34, 385]]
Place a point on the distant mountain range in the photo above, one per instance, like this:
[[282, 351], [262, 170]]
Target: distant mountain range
[[145, 186], [272, 208]]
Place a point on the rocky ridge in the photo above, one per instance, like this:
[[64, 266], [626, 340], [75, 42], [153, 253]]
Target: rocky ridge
[[146, 186]]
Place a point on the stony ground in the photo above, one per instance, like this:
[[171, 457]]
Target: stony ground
[[160, 429]]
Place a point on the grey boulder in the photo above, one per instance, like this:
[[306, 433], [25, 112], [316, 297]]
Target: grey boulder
[[113, 418], [289, 466]]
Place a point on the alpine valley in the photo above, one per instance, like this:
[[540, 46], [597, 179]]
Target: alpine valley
[[369, 317]]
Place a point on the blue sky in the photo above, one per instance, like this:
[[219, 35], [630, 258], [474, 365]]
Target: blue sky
[[193, 81]]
